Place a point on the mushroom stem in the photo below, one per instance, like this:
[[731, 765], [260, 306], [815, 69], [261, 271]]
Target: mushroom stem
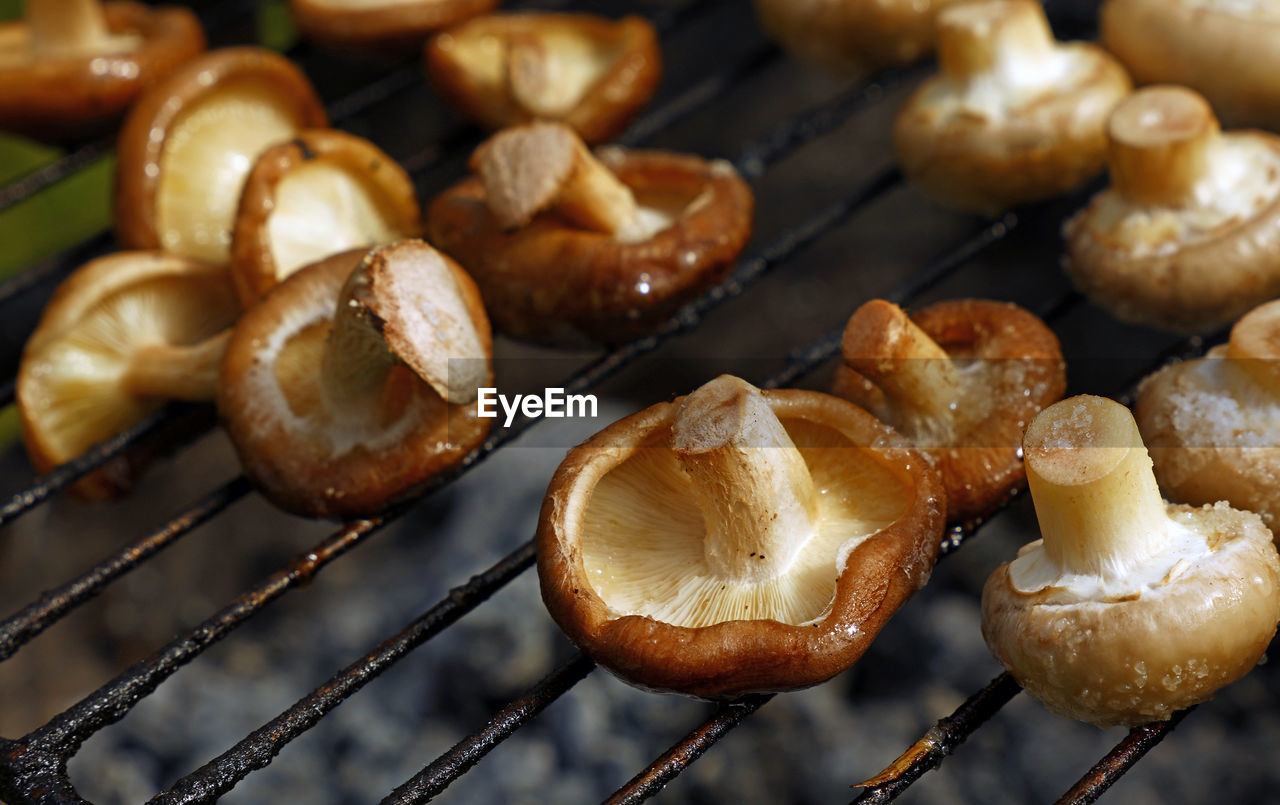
[[1160, 142], [65, 28], [752, 484], [1255, 345], [177, 372], [977, 38], [1094, 491]]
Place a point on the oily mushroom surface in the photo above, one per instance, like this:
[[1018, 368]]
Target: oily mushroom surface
[[570, 249], [1213, 424], [1129, 608], [121, 336], [1012, 116], [188, 145], [687, 547], [960, 379], [1227, 50], [396, 24], [352, 382], [1187, 238], [320, 193], [591, 73], [69, 68]]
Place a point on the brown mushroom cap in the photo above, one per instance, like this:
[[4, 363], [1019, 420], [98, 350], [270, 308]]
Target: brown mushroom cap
[[964, 397], [321, 193], [364, 24], [120, 337], [334, 385], [1013, 116], [623, 516], [188, 144], [591, 73], [1188, 237], [74, 94]]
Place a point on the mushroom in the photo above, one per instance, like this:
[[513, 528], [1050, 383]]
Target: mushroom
[[736, 541], [1129, 608], [591, 73], [1187, 238], [1013, 115], [568, 248], [1227, 50], [960, 379], [351, 383], [1214, 424], [321, 193], [381, 24], [189, 142], [70, 67], [121, 336]]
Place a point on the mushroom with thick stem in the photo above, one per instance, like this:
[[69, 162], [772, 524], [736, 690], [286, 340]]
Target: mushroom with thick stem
[[187, 146], [352, 382], [363, 25], [321, 193], [121, 336], [1129, 608], [1187, 238], [71, 67], [736, 541], [1213, 424], [591, 73], [960, 379], [1013, 116], [569, 248]]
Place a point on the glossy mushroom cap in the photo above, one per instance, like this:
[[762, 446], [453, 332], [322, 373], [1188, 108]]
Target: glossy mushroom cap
[[321, 193], [736, 540], [1013, 116], [120, 337], [1213, 425], [187, 147], [1187, 238], [591, 73], [570, 249], [380, 24], [352, 383], [70, 67], [1128, 609], [960, 379]]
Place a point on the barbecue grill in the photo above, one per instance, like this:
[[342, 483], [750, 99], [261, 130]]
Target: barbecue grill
[[835, 226]]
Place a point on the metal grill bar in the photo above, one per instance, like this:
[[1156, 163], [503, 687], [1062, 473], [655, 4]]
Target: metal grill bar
[[1105, 772]]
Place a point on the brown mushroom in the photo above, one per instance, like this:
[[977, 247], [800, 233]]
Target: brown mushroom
[[321, 193], [1129, 608], [590, 73], [960, 379], [566, 248], [351, 383], [188, 144], [381, 24], [1013, 115], [121, 336], [1213, 425], [1187, 238], [70, 67], [736, 540], [1227, 50]]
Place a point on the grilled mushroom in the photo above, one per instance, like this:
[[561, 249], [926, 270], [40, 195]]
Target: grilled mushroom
[[364, 24], [736, 540]]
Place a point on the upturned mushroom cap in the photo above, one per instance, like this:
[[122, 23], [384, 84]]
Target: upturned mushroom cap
[[381, 24], [187, 147], [568, 249], [321, 193], [960, 379], [1213, 425], [1188, 236], [1128, 609], [121, 336], [351, 383], [1227, 50], [70, 67], [591, 73], [1013, 116], [735, 540]]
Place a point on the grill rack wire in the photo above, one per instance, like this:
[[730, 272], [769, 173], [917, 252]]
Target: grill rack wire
[[33, 768]]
